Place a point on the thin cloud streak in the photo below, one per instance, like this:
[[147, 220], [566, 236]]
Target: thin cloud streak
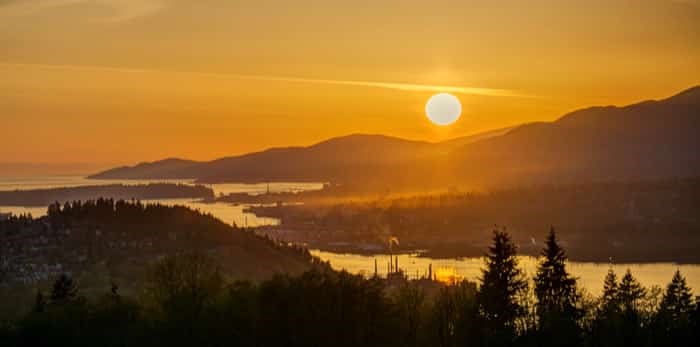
[[370, 84], [394, 85], [123, 10]]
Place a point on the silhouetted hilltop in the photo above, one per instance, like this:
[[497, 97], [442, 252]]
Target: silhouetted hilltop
[[651, 139], [166, 168], [346, 157], [339, 158], [125, 236], [688, 96]]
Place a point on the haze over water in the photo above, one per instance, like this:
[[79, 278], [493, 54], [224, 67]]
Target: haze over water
[[590, 274]]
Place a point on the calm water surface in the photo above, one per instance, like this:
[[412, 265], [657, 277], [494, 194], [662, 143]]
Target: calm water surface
[[590, 275], [45, 182]]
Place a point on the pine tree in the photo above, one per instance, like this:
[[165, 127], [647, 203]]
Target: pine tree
[[629, 296], [673, 321], [554, 287], [502, 283], [677, 302], [557, 296], [609, 300], [630, 292], [608, 318]]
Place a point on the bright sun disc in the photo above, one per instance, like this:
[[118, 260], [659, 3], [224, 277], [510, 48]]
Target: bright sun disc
[[443, 109]]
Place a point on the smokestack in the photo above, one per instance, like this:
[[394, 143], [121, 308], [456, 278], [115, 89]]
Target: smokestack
[[430, 271], [397, 263], [375, 267]]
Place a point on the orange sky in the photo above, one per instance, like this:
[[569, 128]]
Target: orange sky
[[120, 81]]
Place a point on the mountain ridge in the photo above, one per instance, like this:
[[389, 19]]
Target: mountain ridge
[[652, 138], [649, 139], [175, 168]]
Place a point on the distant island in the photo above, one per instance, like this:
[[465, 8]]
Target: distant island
[[43, 197], [107, 241]]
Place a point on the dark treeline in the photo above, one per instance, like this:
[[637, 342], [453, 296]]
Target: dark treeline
[[43, 197], [187, 302]]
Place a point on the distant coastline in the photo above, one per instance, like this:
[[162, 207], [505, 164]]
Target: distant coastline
[[43, 197]]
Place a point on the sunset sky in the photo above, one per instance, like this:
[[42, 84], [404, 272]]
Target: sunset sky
[[122, 81]]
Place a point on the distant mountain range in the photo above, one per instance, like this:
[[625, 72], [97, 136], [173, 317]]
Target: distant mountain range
[[651, 139], [647, 140], [352, 157]]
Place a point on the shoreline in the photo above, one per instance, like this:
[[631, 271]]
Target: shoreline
[[426, 254]]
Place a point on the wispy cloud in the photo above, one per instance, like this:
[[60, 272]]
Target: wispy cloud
[[394, 85], [120, 10], [413, 87]]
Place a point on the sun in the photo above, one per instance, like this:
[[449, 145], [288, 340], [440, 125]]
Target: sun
[[447, 275], [443, 109]]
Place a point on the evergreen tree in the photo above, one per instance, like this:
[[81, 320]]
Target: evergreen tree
[[608, 317], [630, 293], [557, 297], [677, 302], [502, 283], [609, 300], [629, 296], [673, 321]]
